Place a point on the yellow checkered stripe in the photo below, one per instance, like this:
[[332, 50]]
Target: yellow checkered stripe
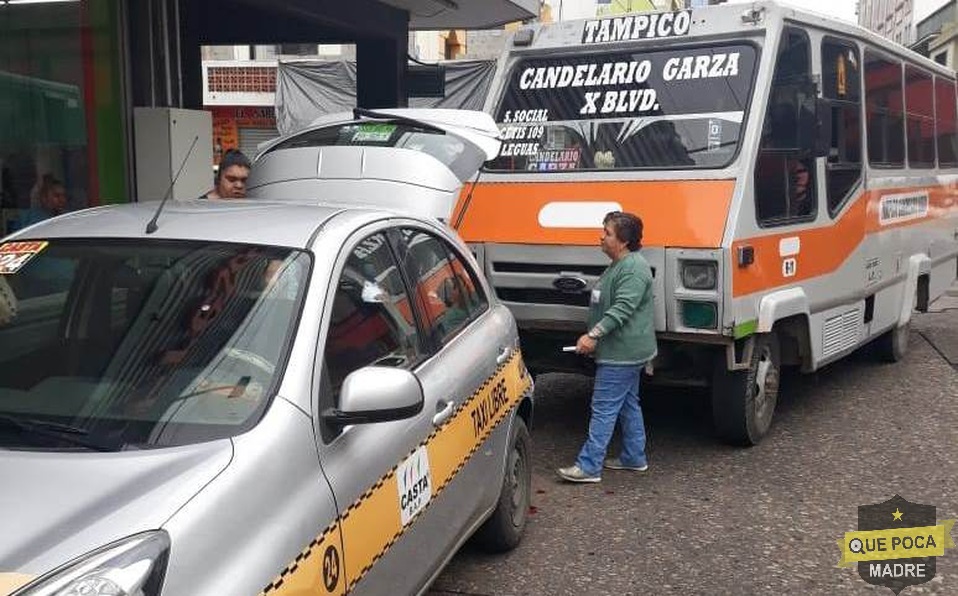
[[372, 523]]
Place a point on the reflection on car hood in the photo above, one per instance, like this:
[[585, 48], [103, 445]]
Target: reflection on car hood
[[57, 506]]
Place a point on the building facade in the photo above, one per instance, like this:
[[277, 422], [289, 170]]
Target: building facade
[[892, 19], [74, 72], [937, 35]]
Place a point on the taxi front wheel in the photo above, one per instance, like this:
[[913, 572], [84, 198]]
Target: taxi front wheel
[[503, 530]]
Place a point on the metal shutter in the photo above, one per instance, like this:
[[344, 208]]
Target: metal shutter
[[250, 138]]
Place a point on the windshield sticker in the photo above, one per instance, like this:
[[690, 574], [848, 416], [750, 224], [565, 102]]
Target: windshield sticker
[[14, 255], [564, 159], [640, 26], [373, 133], [414, 484], [715, 134]]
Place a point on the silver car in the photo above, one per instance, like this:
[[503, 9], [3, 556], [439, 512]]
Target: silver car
[[256, 398]]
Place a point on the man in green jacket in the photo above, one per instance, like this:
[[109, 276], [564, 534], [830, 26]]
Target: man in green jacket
[[622, 337]]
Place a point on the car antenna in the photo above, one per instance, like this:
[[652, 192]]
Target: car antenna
[[151, 226]]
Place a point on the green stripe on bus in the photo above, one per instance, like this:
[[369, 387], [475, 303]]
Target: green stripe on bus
[[745, 329]]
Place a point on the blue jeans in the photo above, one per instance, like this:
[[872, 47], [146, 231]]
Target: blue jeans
[[614, 397]]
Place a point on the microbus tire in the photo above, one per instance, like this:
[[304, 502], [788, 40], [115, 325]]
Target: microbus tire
[[892, 345], [503, 530], [743, 402]]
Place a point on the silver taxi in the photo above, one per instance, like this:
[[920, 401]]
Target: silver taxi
[[256, 398]]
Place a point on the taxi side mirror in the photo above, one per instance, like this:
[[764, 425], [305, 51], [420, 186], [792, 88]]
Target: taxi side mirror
[[376, 394]]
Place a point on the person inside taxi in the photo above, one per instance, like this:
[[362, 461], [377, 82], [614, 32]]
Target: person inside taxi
[[621, 337], [231, 177]]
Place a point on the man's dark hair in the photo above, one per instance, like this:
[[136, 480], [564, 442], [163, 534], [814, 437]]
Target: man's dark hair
[[233, 157], [627, 228]]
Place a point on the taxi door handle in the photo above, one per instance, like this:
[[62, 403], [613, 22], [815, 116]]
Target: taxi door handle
[[443, 414], [503, 355]]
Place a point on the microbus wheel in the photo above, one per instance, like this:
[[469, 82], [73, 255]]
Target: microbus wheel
[[892, 345], [503, 530], [743, 402]]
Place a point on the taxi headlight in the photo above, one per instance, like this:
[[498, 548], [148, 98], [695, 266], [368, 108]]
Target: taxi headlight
[[134, 566], [699, 275]]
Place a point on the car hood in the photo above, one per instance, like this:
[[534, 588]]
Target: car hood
[[57, 506]]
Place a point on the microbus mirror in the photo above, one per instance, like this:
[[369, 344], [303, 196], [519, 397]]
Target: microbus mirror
[[376, 394], [823, 127]]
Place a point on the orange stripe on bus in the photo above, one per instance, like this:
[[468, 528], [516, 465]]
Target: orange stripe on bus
[[824, 249], [687, 213]]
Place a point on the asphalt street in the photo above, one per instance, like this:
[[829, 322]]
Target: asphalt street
[[712, 519]]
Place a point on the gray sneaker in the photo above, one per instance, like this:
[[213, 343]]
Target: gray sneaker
[[616, 464], [575, 474]]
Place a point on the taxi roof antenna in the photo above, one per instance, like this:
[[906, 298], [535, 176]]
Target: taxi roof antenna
[[151, 226]]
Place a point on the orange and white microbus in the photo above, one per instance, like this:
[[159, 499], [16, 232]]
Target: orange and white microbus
[[797, 178]]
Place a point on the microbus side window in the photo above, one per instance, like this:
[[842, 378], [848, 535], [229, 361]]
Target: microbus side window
[[946, 117], [785, 168], [841, 86], [675, 108], [883, 111], [919, 118]]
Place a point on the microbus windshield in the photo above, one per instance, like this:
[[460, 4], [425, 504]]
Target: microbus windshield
[[676, 108], [111, 345]]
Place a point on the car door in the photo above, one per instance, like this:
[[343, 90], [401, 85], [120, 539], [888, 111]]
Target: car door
[[474, 371], [380, 473]]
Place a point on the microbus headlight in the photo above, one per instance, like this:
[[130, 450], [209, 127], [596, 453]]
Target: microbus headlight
[[699, 275], [134, 566]]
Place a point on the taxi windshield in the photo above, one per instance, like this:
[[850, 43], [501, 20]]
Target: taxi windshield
[[676, 108], [112, 345]]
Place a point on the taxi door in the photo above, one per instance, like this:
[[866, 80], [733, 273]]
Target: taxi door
[[382, 474]]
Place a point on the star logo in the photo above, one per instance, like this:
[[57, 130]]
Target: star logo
[[897, 514]]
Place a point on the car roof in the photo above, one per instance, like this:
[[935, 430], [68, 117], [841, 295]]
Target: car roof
[[240, 221]]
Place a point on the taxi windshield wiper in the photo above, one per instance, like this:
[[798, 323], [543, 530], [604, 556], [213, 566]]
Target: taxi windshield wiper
[[64, 432]]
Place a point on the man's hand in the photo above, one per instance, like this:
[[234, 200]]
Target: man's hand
[[585, 345]]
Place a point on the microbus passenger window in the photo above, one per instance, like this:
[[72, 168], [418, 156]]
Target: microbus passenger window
[[883, 111], [920, 118], [679, 108], [841, 86], [785, 169], [945, 116]]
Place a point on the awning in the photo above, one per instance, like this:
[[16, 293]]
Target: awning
[[465, 14]]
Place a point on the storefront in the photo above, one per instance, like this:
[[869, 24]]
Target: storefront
[[62, 109], [72, 71]]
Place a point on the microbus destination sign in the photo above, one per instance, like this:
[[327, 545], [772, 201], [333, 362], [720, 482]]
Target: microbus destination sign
[[638, 26], [896, 543], [623, 85]]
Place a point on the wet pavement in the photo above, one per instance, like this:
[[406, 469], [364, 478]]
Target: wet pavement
[[712, 519]]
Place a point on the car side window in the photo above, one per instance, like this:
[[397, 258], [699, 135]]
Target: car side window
[[371, 319], [451, 295]]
